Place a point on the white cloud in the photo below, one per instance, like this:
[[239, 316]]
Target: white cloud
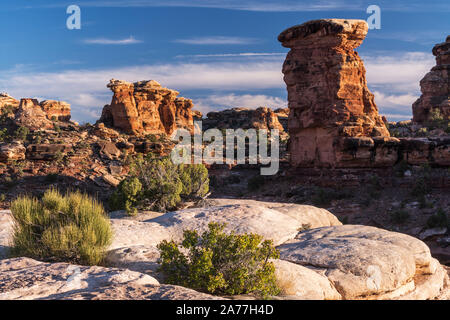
[[86, 89], [245, 5], [389, 101], [105, 41], [226, 101], [234, 55], [400, 72], [393, 78], [216, 40]]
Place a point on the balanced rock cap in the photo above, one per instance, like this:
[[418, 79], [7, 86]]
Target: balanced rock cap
[[325, 32]]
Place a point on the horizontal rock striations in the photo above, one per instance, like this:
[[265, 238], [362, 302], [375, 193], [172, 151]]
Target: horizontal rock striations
[[146, 107], [327, 90], [243, 118], [435, 86]]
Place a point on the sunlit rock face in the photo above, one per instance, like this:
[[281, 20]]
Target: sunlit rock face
[[435, 86], [327, 91], [146, 107]]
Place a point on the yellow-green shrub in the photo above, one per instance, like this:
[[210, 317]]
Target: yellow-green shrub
[[220, 263], [71, 228]]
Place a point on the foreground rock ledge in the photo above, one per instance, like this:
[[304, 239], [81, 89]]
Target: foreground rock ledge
[[327, 262], [369, 263], [27, 279]]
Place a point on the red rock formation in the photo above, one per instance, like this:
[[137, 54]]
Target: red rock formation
[[7, 100], [146, 107], [12, 151], [31, 115], [435, 86], [327, 90], [243, 118], [58, 110], [34, 115]]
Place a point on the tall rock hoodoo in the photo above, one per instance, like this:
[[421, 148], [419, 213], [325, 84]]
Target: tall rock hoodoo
[[435, 86], [146, 107], [328, 97]]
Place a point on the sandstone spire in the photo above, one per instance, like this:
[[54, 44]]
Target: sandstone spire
[[327, 90], [435, 86]]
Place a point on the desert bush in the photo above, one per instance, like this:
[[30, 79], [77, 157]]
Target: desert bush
[[21, 133], [255, 183], [324, 196], [421, 187], [401, 167], [71, 228], [158, 184], [51, 177], [438, 220], [399, 216], [4, 135], [126, 196], [220, 263]]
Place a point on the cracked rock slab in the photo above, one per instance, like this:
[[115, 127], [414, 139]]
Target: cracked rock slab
[[28, 279], [364, 262]]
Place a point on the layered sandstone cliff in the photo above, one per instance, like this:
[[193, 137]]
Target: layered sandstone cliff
[[435, 86], [56, 110], [243, 118], [146, 107], [327, 90], [34, 115], [7, 100]]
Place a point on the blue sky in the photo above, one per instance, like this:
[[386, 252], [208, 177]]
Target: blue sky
[[220, 53]]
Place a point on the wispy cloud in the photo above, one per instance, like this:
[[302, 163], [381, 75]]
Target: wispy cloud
[[263, 5], [429, 37], [105, 41], [86, 89], [234, 55], [216, 40], [243, 5], [394, 79], [397, 72], [226, 101]]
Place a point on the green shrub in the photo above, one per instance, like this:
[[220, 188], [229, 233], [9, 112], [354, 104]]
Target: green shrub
[[401, 167], [158, 184], [71, 228], [399, 216], [420, 188], [220, 263], [4, 135], [438, 220], [126, 197], [194, 180], [255, 183], [51, 177], [324, 196], [21, 133]]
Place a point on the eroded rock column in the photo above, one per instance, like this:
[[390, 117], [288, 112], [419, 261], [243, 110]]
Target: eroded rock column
[[327, 92], [435, 86]]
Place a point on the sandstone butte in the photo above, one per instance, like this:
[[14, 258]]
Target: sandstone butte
[[146, 107], [435, 86]]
